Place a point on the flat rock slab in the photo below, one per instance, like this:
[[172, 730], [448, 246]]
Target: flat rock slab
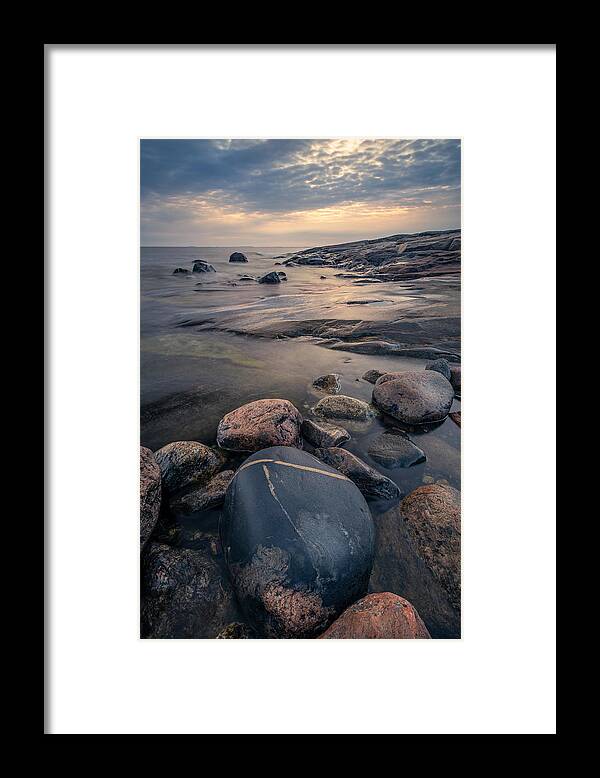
[[259, 424], [369, 481], [202, 498], [186, 462], [150, 494], [395, 449], [184, 594], [328, 383], [414, 397], [378, 616], [343, 407], [323, 435], [298, 541]]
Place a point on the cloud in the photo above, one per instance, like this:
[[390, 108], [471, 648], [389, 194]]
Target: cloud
[[219, 190]]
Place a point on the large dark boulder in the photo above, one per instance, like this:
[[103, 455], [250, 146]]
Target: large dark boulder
[[150, 494], [298, 541], [414, 397], [258, 424], [369, 481], [186, 462], [382, 616], [237, 256], [201, 266]]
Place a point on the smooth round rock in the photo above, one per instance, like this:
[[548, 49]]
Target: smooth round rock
[[414, 397], [328, 383], [340, 406], [394, 449], [383, 615], [150, 494], [323, 435], [186, 462], [237, 256], [298, 541], [369, 481], [259, 424], [442, 367]]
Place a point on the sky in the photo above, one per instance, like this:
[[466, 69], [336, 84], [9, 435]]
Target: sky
[[295, 192]]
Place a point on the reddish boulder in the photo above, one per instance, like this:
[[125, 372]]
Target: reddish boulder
[[383, 615], [150, 494], [260, 424]]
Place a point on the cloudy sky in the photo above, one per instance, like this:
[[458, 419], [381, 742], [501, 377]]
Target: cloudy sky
[[295, 192]]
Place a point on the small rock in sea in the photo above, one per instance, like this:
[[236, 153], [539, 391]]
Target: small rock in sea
[[201, 498], [236, 631], [340, 406], [181, 270], [455, 417], [372, 376], [184, 594], [323, 435], [282, 275], [369, 481], [432, 514], [237, 256], [247, 278], [298, 540], [393, 448], [277, 263], [442, 367], [200, 266], [150, 494], [322, 277], [270, 278], [186, 462], [428, 479], [383, 615], [259, 424], [414, 397], [328, 383], [363, 302], [455, 378]]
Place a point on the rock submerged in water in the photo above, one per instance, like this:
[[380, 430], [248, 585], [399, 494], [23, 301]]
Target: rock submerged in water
[[369, 481], [298, 541], [237, 256], [150, 494], [186, 462], [184, 594], [394, 448], [270, 278], [201, 498], [201, 266], [260, 424], [432, 515], [328, 383], [442, 367], [323, 435], [372, 376], [414, 397], [340, 406], [181, 270], [383, 615]]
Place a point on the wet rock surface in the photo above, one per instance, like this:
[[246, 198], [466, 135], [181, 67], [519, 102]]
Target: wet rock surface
[[328, 383], [200, 266], [298, 541], [323, 435], [369, 481], [394, 448], [260, 424], [202, 498], [384, 616], [150, 494], [184, 594], [455, 417], [455, 378], [270, 278], [181, 271], [237, 256], [372, 376], [414, 397], [235, 631], [442, 367], [186, 462], [341, 406]]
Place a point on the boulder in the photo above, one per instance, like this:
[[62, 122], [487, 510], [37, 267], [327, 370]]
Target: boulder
[[328, 383], [186, 462], [432, 515], [260, 424], [372, 376], [341, 406], [384, 615], [237, 256], [184, 594], [150, 494], [323, 435], [270, 278], [181, 270], [393, 448], [200, 266], [455, 378], [298, 541], [455, 417], [442, 367], [369, 481], [414, 397], [201, 498]]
